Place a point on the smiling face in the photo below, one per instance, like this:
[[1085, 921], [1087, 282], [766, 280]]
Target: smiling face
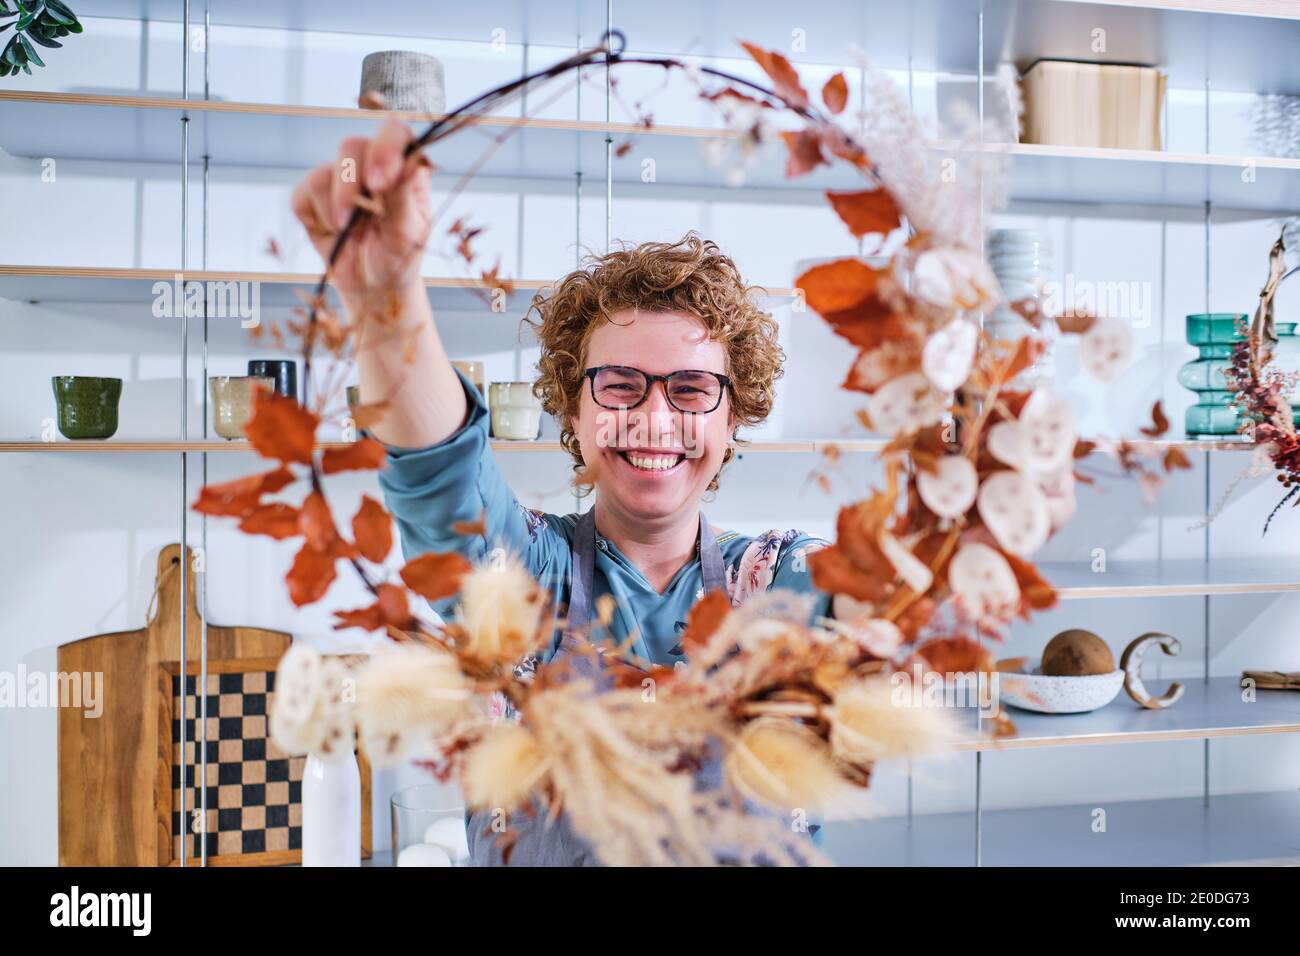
[[653, 462]]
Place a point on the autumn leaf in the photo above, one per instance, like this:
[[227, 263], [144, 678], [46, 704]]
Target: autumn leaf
[[835, 94], [238, 498], [839, 285], [1176, 460], [372, 530], [1075, 323], [317, 523], [366, 454], [785, 80], [855, 565], [471, 529], [1159, 422], [953, 655], [310, 576], [867, 211], [1035, 593], [278, 520], [1030, 310], [805, 153], [281, 428], [391, 609], [435, 576], [704, 619], [1083, 448]]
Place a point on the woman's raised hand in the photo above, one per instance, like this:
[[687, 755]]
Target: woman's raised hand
[[386, 253]]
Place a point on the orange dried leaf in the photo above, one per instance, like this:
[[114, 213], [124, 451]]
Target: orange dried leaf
[[1035, 593], [785, 80], [835, 94], [365, 454], [805, 153], [839, 285], [471, 529], [435, 576], [705, 618], [372, 529], [311, 575], [1175, 460], [391, 609], [316, 523], [1159, 422], [954, 655], [867, 211], [281, 428], [278, 520], [240, 497], [1073, 323]]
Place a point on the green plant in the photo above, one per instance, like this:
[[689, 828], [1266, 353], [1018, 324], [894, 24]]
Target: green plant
[[39, 22]]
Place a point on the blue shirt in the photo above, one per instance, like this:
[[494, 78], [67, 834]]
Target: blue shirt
[[429, 490]]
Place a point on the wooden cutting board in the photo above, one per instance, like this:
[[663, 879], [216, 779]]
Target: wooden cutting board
[[108, 765]]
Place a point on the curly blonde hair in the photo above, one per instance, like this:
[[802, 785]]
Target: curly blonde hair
[[691, 276]]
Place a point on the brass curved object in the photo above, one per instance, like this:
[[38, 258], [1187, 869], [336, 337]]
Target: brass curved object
[[1130, 663]]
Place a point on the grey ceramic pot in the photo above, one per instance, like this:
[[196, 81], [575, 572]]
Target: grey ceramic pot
[[406, 80]]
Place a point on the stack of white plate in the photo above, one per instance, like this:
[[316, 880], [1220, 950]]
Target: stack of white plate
[[1021, 260]]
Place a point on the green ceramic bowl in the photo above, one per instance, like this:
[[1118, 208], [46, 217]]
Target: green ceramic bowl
[[87, 406]]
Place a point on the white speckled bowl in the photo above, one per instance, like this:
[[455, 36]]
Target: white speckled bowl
[[1030, 690]]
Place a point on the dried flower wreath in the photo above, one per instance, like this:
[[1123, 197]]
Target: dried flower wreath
[[977, 475]]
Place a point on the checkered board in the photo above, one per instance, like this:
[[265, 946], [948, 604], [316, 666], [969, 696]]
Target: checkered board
[[254, 790]]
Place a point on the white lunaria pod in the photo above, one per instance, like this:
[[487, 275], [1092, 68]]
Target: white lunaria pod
[[983, 582], [1105, 349], [1015, 510], [1006, 443], [905, 404], [1047, 431], [950, 490], [878, 637], [954, 278], [948, 354], [1058, 489], [914, 572]]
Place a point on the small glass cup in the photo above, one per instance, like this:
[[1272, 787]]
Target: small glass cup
[[428, 827], [232, 401], [516, 412]]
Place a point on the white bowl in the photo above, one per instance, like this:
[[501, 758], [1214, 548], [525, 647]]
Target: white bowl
[[1031, 690]]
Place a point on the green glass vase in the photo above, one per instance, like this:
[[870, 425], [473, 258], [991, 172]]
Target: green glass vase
[[1214, 334]]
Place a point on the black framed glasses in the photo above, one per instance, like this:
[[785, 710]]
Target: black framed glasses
[[621, 387]]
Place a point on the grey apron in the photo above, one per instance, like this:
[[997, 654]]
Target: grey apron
[[557, 844]]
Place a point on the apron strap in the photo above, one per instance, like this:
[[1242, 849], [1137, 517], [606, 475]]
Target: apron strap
[[582, 571]]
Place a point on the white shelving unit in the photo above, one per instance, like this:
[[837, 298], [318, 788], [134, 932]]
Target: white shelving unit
[[1234, 45]]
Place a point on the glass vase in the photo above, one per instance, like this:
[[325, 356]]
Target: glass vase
[[429, 827], [1214, 334]]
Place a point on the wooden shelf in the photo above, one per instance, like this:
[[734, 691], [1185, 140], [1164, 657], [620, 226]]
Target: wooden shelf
[[1173, 578], [41, 283], [144, 129], [1246, 828], [1206, 710]]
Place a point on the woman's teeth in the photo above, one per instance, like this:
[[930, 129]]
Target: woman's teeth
[[652, 462]]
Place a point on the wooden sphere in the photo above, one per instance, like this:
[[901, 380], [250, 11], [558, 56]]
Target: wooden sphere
[[1076, 653]]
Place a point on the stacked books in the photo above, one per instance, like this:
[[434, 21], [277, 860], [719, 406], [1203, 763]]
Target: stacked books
[[1092, 104]]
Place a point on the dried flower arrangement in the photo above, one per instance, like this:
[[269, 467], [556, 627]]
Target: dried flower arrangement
[[1262, 391], [977, 475]]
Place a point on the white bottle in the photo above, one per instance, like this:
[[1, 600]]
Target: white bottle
[[331, 811]]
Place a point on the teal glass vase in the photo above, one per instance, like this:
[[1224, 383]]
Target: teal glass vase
[[1213, 334]]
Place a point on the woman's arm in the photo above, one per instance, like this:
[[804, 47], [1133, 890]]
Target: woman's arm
[[400, 358]]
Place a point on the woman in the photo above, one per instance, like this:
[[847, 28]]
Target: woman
[[650, 361]]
